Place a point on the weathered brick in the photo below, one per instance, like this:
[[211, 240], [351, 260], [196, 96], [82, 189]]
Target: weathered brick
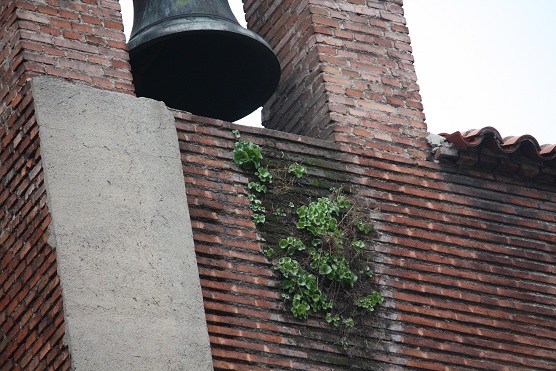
[[48, 42], [463, 257], [421, 264]]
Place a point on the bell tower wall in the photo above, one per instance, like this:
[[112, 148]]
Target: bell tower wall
[[348, 73]]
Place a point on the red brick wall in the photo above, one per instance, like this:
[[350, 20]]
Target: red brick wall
[[465, 263], [31, 315], [466, 254], [348, 72], [465, 260], [81, 40], [78, 40]]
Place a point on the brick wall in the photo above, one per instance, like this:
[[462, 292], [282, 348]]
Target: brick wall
[[348, 72], [77, 40], [465, 258], [465, 263], [31, 315]]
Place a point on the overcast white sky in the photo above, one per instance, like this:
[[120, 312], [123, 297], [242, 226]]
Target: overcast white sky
[[479, 63]]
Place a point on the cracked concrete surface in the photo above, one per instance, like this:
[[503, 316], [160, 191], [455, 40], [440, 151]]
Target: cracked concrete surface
[[121, 230]]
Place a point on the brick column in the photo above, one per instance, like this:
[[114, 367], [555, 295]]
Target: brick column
[[78, 40], [348, 72]]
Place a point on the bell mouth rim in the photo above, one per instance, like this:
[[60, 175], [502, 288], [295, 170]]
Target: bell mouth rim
[[170, 28]]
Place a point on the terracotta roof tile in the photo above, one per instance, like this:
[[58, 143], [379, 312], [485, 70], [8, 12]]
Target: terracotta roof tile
[[491, 139], [486, 149]]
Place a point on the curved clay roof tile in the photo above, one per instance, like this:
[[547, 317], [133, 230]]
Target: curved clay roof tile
[[491, 138]]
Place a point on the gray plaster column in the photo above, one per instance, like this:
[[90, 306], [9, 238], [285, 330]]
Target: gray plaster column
[[121, 230]]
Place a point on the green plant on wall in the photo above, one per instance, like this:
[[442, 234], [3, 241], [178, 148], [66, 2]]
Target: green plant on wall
[[323, 252], [248, 155]]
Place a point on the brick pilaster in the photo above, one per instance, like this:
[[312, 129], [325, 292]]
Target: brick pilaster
[[348, 72], [78, 40]]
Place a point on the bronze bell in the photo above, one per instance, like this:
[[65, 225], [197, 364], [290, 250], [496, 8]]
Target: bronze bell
[[194, 56]]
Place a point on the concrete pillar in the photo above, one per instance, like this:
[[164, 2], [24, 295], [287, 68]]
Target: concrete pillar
[[121, 230]]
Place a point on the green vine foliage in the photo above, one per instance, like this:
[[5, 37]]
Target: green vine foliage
[[323, 254], [248, 155]]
